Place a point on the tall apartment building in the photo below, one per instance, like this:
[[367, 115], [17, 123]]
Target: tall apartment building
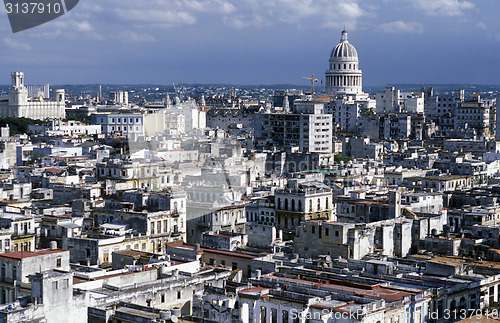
[[307, 128]]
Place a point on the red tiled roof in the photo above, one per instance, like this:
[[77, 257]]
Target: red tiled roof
[[53, 170], [27, 254]]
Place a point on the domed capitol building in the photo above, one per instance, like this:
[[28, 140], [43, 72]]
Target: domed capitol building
[[344, 75], [345, 99]]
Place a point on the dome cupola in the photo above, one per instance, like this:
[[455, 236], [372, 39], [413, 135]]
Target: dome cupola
[[344, 49]]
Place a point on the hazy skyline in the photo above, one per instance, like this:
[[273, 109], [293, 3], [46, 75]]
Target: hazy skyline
[[257, 42]]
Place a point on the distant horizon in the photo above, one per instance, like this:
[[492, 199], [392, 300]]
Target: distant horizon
[[257, 42], [252, 85]]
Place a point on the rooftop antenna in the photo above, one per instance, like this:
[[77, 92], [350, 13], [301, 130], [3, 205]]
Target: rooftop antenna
[[312, 79]]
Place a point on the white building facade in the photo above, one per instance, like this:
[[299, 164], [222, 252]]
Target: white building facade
[[19, 105]]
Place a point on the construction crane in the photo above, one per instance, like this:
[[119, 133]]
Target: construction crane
[[312, 79]]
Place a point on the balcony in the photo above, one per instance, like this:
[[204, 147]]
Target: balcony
[[176, 234]]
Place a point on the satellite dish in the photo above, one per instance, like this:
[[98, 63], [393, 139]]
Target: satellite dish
[[174, 319]]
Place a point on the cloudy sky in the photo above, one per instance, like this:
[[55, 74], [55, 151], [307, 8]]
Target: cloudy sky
[[257, 41]]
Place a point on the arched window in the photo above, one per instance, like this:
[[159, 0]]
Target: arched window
[[326, 204], [293, 205], [279, 204], [286, 204], [453, 305], [310, 205], [300, 205]]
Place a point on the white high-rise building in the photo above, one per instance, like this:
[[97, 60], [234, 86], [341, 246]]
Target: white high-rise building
[[119, 97], [344, 75]]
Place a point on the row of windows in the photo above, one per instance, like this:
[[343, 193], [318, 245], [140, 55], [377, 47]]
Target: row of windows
[[469, 118], [25, 246], [124, 128], [339, 66], [292, 207], [285, 316], [57, 285], [327, 231], [23, 226], [165, 227], [119, 120], [475, 111]]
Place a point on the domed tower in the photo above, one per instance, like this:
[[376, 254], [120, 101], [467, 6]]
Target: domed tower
[[344, 76]]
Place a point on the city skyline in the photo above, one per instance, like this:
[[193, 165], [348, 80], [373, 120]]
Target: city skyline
[[254, 42]]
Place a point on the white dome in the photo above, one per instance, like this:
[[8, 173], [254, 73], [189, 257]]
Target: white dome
[[344, 76], [344, 49]]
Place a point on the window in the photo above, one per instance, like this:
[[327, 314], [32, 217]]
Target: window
[[163, 298], [58, 262], [234, 265], [179, 294], [66, 283], [274, 315], [327, 232], [284, 317], [55, 285], [263, 316]]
